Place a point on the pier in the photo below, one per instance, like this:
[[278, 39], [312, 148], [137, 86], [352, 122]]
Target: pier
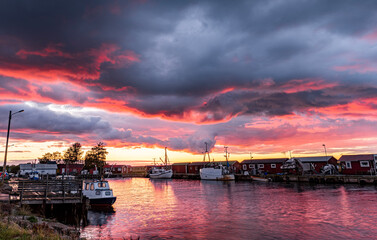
[[54, 198], [47, 191]]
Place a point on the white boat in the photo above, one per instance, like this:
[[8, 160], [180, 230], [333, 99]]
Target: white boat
[[216, 172], [98, 192], [162, 172]]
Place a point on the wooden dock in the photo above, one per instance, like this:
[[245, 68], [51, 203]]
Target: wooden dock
[[47, 191]]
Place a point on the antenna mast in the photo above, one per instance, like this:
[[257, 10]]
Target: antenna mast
[[206, 153], [166, 157]]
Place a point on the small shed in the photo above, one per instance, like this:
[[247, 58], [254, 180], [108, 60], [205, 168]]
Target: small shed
[[364, 164]]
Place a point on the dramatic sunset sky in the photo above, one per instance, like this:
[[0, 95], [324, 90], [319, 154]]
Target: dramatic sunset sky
[[261, 77]]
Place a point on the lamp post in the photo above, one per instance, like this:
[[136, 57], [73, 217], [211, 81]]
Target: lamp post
[[325, 149], [6, 145]]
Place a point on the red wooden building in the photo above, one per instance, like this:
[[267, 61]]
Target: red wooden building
[[261, 166], [180, 168], [358, 164], [70, 169]]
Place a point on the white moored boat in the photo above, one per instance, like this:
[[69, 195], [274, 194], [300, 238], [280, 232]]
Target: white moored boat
[[98, 192], [162, 172], [216, 172]]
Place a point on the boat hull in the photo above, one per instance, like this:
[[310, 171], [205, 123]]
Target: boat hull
[[161, 175], [215, 174], [102, 201]]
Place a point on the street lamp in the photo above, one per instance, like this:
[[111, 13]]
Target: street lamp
[[6, 145], [325, 149]]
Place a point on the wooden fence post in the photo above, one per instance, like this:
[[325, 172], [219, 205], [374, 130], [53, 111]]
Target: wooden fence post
[[22, 192]]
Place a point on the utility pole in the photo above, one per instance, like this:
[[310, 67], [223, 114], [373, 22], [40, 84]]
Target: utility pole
[[6, 145]]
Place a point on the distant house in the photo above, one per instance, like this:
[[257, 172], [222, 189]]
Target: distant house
[[70, 169], [260, 166], [42, 169], [358, 164]]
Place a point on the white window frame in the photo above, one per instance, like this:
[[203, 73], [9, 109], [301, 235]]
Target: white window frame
[[364, 164], [251, 166], [348, 165], [244, 167], [261, 165], [273, 165]]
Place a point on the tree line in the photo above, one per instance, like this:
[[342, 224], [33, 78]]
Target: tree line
[[74, 154]]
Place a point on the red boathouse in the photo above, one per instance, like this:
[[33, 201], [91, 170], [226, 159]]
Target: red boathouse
[[358, 164], [260, 166]]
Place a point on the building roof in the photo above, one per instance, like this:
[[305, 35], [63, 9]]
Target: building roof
[[198, 163], [362, 157], [314, 159], [63, 165], [38, 166], [264, 161], [178, 164], [205, 163]]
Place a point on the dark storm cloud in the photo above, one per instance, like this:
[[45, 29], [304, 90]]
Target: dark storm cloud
[[41, 119], [275, 104], [39, 123], [176, 54]]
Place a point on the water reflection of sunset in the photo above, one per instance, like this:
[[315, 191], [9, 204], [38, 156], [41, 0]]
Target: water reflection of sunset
[[191, 209]]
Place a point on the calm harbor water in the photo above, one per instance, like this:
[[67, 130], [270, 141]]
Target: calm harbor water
[[188, 209]]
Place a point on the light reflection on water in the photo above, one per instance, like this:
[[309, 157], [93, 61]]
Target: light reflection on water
[[188, 209]]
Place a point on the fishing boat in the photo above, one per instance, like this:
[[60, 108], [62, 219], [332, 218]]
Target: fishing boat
[[162, 172], [216, 172], [98, 192]]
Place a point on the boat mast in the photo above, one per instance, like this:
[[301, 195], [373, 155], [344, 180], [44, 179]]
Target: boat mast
[[226, 156], [166, 157]]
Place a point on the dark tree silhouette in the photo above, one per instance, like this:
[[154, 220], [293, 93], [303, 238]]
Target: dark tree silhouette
[[73, 154], [96, 157]]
